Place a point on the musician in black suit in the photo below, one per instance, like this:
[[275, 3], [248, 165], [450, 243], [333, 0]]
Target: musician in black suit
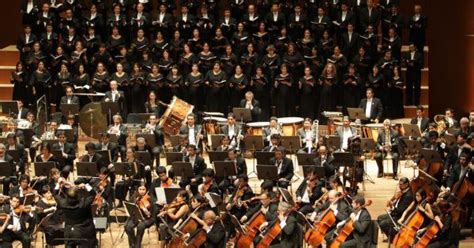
[[115, 95], [420, 120], [284, 166], [68, 152], [8, 159], [69, 98], [12, 144], [396, 208], [250, 103], [456, 150], [372, 106], [309, 191], [232, 130], [325, 160], [459, 170], [192, 131], [215, 232], [106, 145], [79, 223], [198, 164], [291, 235], [227, 184], [385, 146], [361, 237], [93, 157]]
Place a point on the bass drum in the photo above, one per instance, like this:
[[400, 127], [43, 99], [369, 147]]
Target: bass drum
[[92, 121], [174, 115], [290, 125], [212, 124], [256, 128]]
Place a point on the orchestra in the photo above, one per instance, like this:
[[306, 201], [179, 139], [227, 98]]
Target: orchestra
[[151, 89]]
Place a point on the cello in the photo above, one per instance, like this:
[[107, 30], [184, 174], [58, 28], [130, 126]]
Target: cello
[[245, 240], [315, 235], [406, 235], [188, 226], [429, 234], [346, 230], [271, 233]]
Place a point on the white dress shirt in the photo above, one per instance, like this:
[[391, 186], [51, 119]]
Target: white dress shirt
[[368, 108]]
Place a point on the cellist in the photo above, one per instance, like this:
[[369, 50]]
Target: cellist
[[215, 233], [361, 221], [423, 203], [289, 236], [395, 207], [448, 234]]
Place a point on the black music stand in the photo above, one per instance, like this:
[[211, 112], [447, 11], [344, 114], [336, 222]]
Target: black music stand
[[15, 154], [305, 158], [291, 143], [69, 109], [138, 118], [29, 199], [172, 157], [110, 109], [149, 138], [133, 211], [224, 169], [411, 130], [124, 168], [215, 200], [356, 113], [286, 195], [267, 172], [144, 157], [183, 169], [87, 169], [175, 139], [8, 107], [333, 142], [58, 154], [28, 134], [242, 114], [216, 140], [5, 169], [107, 158], [264, 157], [320, 170], [253, 143], [413, 146], [166, 195], [343, 159], [217, 156], [42, 168]]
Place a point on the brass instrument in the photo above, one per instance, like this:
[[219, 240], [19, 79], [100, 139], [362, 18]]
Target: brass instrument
[[239, 135], [148, 128], [114, 130], [316, 133], [388, 144], [441, 123]]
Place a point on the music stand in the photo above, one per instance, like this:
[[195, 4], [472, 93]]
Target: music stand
[[411, 130], [286, 195], [224, 169], [5, 169], [343, 158], [149, 138], [123, 168], [368, 145], [214, 199], [43, 168], [28, 134], [8, 107], [29, 199], [105, 156], [110, 109], [172, 157], [87, 169], [305, 158], [15, 154], [333, 142], [242, 114], [291, 143], [264, 157], [144, 157], [133, 211], [216, 140], [267, 172], [138, 118], [320, 170], [58, 154], [175, 139], [413, 146], [356, 113], [217, 156], [183, 169], [166, 195], [253, 143], [69, 109]]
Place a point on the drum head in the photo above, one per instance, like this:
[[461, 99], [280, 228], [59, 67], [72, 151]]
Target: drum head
[[215, 119], [290, 120], [258, 124]]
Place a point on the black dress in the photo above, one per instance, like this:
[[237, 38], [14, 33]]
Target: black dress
[[261, 89], [138, 92], [376, 82], [186, 63], [21, 87], [237, 89], [157, 83], [40, 81], [206, 61], [308, 100], [194, 90], [283, 93], [175, 85], [248, 62], [351, 91], [395, 101], [79, 81], [228, 63], [216, 95], [328, 94], [100, 82]]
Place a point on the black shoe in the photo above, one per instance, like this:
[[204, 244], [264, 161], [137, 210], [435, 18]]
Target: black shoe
[[395, 177], [380, 175]]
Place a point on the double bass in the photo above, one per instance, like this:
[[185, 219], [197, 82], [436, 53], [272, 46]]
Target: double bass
[[346, 230]]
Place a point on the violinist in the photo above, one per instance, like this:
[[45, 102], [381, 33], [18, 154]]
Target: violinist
[[23, 188], [422, 202], [242, 193], [215, 232], [4, 157], [170, 215], [142, 146], [4, 222], [16, 229], [198, 164], [163, 181], [395, 207], [104, 197], [143, 201], [341, 209], [92, 157], [46, 155], [361, 236], [209, 183], [106, 145], [53, 181], [309, 191], [49, 219]]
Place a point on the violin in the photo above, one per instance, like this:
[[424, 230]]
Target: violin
[[347, 229], [23, 209], [144, 203]]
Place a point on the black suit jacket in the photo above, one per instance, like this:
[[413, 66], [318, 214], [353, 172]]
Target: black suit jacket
[[291, 233], [343, 209], [403, 203], [241, 166], [23, 112], [69, 150], [361, 228], [376, 110], [97, 159], [365, 20], [287, 170], [74, 100], [215, 238], [314, 195], [198, 167], [424, 123], [256, 108]]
